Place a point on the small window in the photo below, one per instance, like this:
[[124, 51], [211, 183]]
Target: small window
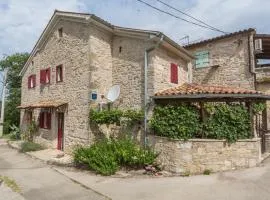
[[59, 73], [120, 49], [45, 76], [60, 32], [202, 59], [32, 81], [174, 73], [45, 120]]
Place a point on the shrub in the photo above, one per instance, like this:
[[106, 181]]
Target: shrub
[[15, 133], [106, 156], [30, 146], [176, 121], [105, 116], [230, 122], [207, 172]]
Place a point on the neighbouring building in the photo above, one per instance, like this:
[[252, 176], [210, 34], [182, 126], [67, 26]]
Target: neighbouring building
[[239, 59], [77, 58]]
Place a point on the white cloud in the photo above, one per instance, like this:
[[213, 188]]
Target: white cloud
[[21, 22]]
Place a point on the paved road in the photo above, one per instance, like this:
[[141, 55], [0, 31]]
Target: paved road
[[38, 181]]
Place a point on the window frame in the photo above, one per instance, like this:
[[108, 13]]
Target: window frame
[[57, 73], [45, 76], [31, 81], [45, 120]]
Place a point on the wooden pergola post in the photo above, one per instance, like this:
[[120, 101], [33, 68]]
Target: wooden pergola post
[[251, 117]]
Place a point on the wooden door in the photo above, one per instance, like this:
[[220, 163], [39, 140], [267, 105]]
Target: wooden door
[[60, 138]]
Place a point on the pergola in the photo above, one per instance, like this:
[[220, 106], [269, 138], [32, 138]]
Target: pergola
[[213, 93]]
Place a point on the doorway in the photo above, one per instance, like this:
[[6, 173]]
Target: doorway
[[60, 134]]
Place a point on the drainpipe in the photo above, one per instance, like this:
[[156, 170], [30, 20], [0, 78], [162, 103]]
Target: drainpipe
[[146, 53]]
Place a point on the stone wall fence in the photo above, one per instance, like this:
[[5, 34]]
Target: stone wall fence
[[194, 156]]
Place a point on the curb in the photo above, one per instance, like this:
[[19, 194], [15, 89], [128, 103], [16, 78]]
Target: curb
[[51, 165], [81, 184]]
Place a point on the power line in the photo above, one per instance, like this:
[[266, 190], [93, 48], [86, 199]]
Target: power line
[[207, 27], [190, 16]]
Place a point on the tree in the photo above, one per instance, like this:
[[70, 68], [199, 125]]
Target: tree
[[14, 63]]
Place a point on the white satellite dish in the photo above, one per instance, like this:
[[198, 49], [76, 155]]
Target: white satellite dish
[[113, 93]]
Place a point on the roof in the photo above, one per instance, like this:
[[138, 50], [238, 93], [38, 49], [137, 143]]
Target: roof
[[220, 37], [188, 90], [86, 18], [43, 104]]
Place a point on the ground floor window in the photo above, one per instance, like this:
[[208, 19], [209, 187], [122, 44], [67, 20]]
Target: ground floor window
[[45, 119]]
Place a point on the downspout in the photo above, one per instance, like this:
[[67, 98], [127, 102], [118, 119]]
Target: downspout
[[146, 53], [250, 61]]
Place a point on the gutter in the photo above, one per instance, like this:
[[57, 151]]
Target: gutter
[[146, 53], [213, 96]]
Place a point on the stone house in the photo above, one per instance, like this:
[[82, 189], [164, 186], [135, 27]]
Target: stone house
[[77, 58], [239, 59]]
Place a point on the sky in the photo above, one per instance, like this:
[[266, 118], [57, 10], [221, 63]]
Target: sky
[[22, 21]]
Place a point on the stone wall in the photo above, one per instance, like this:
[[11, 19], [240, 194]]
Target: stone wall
[[71, 51], [93, 59], [196, 155], [229, 62]]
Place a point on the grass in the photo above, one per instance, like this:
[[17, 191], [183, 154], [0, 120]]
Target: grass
[[10, 183], [30, 146]]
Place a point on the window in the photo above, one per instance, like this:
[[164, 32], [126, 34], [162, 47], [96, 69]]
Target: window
[[174, 73], [202, 59], [45, 120], [32, 81], [45, 76], [60, 32], [59, 73]]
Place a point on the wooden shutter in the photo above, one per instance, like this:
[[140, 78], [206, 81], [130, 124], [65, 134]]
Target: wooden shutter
[[29, 82], [202, 59], [34, 80], [49, 119], [48, 74], [42, 76], [41, 120], [174, 73]]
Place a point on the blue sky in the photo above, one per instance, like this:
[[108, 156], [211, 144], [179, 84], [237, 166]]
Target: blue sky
[[21, 22]]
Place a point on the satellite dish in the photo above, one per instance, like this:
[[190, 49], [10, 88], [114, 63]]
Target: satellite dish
[[113, 93]]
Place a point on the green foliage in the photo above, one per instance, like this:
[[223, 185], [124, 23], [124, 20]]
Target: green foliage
[[30, 146], [14, 133], [133, 115], [105, 116], [107, 156], [207, 172], [178, 121], [14, 64], [114, 116], [224, 121], [258, 107], [31, 130], [230, 122]]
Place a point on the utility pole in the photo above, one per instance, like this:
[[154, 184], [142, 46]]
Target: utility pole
[[3, 101]]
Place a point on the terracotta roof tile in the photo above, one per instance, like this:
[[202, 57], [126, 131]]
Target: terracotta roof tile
[[187, 89], [220, 37], [43, 104]]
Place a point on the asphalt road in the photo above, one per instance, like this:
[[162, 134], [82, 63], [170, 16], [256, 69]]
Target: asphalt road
[[38, 180]]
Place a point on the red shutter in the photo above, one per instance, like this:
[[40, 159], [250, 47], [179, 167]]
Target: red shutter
[[42, 76], [34, 80], [48, 72], [174, 73], [41, 120], [29, 81], [49, 117]]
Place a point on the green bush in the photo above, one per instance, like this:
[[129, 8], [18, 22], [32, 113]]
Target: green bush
[[107, 156], [230, 122], [105, 116], [176, 121], [30, 146]]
